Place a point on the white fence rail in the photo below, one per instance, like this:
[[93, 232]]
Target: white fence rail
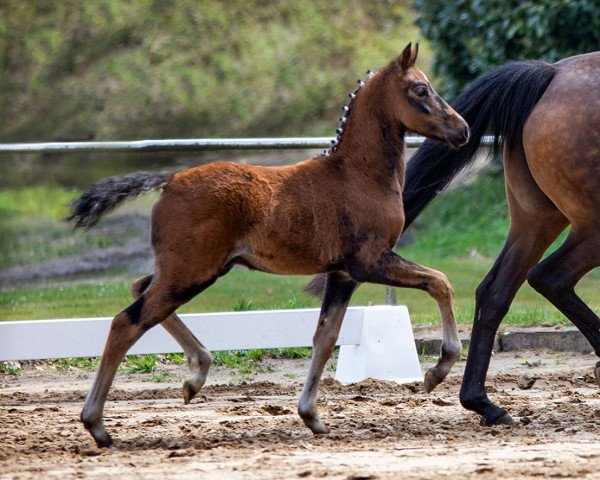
[[376, 342]]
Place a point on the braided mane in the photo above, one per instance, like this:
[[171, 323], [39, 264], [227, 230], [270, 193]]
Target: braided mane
[[346, 109]]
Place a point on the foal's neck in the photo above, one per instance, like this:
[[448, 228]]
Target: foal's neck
[[372, 141]]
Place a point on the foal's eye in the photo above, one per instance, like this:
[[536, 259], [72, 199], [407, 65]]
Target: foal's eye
[[420, 91]]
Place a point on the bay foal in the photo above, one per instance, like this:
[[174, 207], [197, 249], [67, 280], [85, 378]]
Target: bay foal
[[339, 214]]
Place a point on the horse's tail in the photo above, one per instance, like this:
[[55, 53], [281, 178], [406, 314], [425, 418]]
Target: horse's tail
[[498, 103], [107, 193]]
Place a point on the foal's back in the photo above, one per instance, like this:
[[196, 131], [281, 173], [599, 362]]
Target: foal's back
[[293, 219]]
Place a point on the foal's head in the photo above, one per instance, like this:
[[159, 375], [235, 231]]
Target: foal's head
[[413, 102]]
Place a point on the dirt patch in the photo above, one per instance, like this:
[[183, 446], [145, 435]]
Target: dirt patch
[[135, 253], [242, 429]]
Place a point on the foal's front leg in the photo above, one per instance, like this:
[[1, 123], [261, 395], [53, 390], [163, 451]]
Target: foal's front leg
[[391, 269], [338, 292]]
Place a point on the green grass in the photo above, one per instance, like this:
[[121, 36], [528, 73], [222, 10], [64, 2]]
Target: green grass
[[259, 291], [459, 234], [83, 363], [140, 363], [44, 201], [10, 368], [466, 221], [32, 228], [247, 363], [239, 290], [244, 363]]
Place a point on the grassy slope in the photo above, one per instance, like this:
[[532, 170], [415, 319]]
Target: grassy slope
[[119, 69], [32, 228], [113, 70], [459, 234]]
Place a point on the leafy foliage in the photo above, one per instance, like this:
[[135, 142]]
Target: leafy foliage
[[471, 36]]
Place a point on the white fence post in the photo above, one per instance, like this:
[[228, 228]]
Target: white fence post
[[386, 350]]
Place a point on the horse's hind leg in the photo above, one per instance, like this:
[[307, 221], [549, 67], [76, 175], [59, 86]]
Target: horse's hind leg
[[199, 357], [493, 297], [338, 292], [555, 278], [534, 224], [158, 302]]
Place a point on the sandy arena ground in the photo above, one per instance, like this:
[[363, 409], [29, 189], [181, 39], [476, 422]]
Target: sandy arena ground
[[250, 429]]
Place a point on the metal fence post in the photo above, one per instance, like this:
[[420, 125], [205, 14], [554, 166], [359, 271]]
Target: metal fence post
[[390, 296]]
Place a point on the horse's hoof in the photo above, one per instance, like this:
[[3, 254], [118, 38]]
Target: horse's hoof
[[505, 419], [98, 433], [189, 392], [430, 381], [104, 440], [320, 429]]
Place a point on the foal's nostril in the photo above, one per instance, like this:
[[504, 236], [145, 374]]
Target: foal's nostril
[[466, 133]]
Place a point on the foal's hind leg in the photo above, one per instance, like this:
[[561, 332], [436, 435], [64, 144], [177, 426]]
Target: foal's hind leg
[[338, 292], [199, 357], [393, 270], [151, 308]]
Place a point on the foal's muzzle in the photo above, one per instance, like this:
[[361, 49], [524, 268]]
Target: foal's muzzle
[[457, 138]]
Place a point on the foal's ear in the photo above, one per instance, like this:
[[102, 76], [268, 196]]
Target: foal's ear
[[408, 56], [413, 55]]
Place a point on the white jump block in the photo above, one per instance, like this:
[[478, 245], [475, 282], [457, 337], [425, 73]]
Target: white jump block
[[386, 350], [375, 342]]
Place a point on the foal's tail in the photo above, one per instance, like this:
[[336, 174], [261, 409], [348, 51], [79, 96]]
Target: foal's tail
[[107, 193], [498, 103]]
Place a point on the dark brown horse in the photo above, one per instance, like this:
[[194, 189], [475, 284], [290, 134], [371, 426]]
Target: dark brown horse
[[338, 214], [547, 117]]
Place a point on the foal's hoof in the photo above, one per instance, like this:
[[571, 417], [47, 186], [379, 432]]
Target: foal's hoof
[[189, 392], [431, 380], [99, 434], [315, 424], [505, 419]]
